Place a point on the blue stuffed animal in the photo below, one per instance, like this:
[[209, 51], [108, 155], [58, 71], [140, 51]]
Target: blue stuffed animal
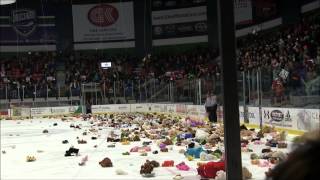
[[194, 152]]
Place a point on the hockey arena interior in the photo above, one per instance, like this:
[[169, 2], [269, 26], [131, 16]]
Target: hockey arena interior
[[160, 89]]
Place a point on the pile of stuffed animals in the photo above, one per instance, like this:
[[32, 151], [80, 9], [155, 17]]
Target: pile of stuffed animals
[[196, 139]]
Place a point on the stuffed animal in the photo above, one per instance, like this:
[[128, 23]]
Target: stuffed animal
[[121, 172], [178, 177], [45, 131], [182, 166], [210, 169], [106, 162], [144, 154], [168, 141], [246, 174], [206, 157], [282, 145], [82, 141], [154, 163], [111, 146], [125, 142], [195, 152], [168, 163], [126, 153], [254, 156], [146, 169], [184, 136], [201, 135], [30, 158], [83, 161], [72, 151], [278, 156], [164, 149], [221, 175]]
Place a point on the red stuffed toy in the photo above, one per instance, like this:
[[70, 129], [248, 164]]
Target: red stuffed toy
[[210, 169], [168, 163]]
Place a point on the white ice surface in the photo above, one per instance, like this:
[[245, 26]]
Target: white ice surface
[[27, 137]]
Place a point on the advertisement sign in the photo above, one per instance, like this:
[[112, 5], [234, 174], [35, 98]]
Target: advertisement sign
[[121, 107], [140, 107], [40, 111], [307, 119], [253, 115], [3, 112], [103, 22], [181, 108], [101, 108], [179, 15], [280, 117], [169, 108], [157, 107], [192, 110], [64, 110], [183, 22], [27, 26]]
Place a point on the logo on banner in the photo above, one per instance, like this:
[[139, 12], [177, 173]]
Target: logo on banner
[[201, 27], [24, 21], [185, 28], [170, 29], [72, 108], [103, 15], [157, 30], [277, 115]]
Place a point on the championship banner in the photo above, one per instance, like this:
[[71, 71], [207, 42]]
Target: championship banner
[[242, 12], [27, 26], [98, 23]]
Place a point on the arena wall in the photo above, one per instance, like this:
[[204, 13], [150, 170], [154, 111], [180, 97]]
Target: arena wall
[[295, 120]]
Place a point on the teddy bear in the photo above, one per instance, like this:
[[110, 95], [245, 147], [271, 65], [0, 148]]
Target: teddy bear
[[106, 162]]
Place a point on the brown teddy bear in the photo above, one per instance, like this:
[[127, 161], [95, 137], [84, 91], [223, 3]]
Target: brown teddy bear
[[106, 162]]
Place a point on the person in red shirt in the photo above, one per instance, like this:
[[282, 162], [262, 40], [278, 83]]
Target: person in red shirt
[[278, 90]]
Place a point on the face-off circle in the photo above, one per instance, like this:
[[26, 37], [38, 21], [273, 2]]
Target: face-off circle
[[103, 15]]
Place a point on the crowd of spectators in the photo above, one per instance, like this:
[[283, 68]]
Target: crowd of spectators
[[85, 68], [290, 57], [24, 75]]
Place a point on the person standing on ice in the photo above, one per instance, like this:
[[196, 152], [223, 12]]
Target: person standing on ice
[[211, 107]]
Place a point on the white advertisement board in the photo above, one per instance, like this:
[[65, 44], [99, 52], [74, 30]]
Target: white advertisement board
[[183, 15], [101, 108], [169, 108], [103, 22], [298, 119], [140, 107], [40, 111], [121, 108], [253, 115], [63, 110], [157, 107]]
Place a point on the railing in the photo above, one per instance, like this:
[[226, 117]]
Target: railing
[[255, 88]]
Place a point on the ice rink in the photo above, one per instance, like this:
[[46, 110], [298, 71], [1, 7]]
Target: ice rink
[[22, 138]]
